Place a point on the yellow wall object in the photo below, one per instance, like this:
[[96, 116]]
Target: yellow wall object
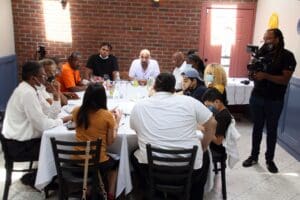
[[273, 21]]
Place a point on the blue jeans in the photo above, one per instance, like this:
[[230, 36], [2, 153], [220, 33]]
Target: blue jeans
[[264, 111]]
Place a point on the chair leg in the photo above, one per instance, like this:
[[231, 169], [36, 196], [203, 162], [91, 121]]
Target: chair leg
[[215, 167], [30, 165], [223, 176], [7, 180]]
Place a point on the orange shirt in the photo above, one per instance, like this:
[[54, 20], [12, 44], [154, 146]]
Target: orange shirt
[[99, 124], [69, 77]]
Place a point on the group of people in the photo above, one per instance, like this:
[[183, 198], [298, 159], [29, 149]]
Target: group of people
[[191, 97]]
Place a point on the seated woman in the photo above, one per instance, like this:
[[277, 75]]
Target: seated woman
[[196, 63], [215, 77], [94, 121]]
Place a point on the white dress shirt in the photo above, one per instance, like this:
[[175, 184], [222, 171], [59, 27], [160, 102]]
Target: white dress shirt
[[177, 73], [136, 70], [51, 110], [24, 118], [168, 121]]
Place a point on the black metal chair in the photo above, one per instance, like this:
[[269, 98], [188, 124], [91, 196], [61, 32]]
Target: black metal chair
[[170, 181], [9, 164], [219, 161], [70, 166]]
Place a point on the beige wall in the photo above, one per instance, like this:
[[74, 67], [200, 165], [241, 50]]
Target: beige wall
[[7, 43], [289, 14]]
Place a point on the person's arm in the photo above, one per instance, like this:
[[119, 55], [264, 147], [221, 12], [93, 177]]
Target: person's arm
[[87, 73], [116, 75], [113, 131], [63, 99], [278, 79], [218, 139], [131, 73], [34, 112], [115, 67], [208, 133], [78, 88]]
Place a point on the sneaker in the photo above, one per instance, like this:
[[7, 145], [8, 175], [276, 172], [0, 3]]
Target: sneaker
[[272, 167], [249, 162]]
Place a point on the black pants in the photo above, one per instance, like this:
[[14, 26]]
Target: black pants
[[264, 111], [24, 150], [199, 176]]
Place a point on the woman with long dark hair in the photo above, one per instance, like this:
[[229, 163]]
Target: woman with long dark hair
[[196, 63], [94, 121]]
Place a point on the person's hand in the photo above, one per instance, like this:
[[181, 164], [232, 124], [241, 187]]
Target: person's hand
[[117, 113], [151, 92], [71, 95], [142, 82], [259, 76], [67, 118], [210, 85], [54, 89]]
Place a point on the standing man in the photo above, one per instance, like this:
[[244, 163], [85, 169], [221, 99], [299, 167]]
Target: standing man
[[70, 79], [143, 68], [170, 121], [180, 65], [267, 97], [103, 65]]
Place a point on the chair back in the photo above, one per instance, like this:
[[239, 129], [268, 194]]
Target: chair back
[[170, 171], [70, 159]]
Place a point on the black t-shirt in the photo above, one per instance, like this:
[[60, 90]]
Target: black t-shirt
[[268, 89], [102, 66], [223, 118], [197, 92]]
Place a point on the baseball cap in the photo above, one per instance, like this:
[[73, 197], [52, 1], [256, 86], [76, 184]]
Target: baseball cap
[[191, 73]]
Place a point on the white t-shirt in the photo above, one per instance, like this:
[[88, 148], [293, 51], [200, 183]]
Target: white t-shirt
[[177, 73], [168, 121], [24, 118], [136, 70]]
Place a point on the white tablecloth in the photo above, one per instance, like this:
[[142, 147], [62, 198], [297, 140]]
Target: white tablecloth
[[237, 92], [124, 144]]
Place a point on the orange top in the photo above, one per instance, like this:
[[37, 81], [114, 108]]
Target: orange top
[[68, 78], [99, 124]]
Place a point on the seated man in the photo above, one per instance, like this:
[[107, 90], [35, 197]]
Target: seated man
[[59, 64], [143, 68], [103, 65], [24, 120], [169, 121], [70, 79], [179, 66], [192, 85], [213, 99], [52, 85]]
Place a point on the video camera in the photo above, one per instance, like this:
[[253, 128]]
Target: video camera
[[258, 63]]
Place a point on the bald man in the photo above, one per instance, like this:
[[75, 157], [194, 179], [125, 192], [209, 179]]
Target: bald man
[[180, 66], [143, 68]]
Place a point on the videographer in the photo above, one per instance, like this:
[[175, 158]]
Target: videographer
[[267, 97]]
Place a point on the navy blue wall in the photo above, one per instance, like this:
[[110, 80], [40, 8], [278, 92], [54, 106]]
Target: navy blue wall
[[289, 125], [8, 78]]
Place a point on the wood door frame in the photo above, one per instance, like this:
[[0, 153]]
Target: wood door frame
[[209, 5]]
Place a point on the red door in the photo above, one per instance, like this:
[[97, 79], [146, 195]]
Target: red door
[[225, 31]]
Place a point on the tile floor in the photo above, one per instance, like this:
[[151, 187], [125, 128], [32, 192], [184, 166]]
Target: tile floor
[[254, 183]]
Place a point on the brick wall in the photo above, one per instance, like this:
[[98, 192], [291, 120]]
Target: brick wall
[[129, 25]]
